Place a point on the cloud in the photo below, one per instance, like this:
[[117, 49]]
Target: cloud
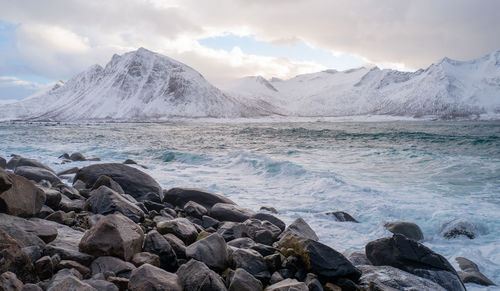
[[12, 88], [57, 39]]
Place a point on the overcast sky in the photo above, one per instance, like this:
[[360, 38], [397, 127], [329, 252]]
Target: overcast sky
[[45, 41]]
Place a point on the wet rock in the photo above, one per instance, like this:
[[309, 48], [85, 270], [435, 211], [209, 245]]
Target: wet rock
[[106, 201], [181, 196], [53, 197], [5, 181], [386, 277], [9, 282], [18, 161], [67, 264], [33, 252], [121, 283], [230, 212], [62, 217], [312, 282], [64, 156], [243, 242], [342, 216], [244, 281], [140, 259], [195, 275], [180, 227], [37, 174], [133, 181], [44, 268], [287, 285], [470, 273], [68, 205], [301, 228], [252, 262], [177, 245], [208, 222], [68, 191], [66, 280], [111, 264], [195, 210], [263, 249], [68, 171], [13, 259], [101, 285], [3, 164], [148, 277], [156, 244], [150, 205], [77, 157], [211, 250], [108, 182], [270, 209], [408, 229], [413, 257], [261, 231], [23, 198], [462, 228], [319, 259], [45, 211], [231, 230], [357, 258], [27, 232], [113, 235], [271, 218]]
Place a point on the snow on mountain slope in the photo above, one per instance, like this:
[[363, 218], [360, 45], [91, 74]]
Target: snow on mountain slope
[[446, 89], [139, 85]]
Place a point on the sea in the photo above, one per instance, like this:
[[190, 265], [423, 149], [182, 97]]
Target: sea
[[432, 173]]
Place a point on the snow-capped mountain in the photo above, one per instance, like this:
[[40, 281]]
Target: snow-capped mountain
[[143, 85], [446, 89], [139, 85]]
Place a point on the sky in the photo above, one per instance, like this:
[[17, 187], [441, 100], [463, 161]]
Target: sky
[[42, 42]]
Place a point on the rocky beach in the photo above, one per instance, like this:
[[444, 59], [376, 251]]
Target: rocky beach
[[111, 226]]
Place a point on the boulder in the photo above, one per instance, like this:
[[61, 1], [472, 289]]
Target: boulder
[[44, 267], [180, 227], [181, 196], [410, 256], [312, 282], [342, 216], [156, 244], [18, 161], [23, 198], [244, 281], [177, 245], [111, 264], [106, 201], [261, 231], [108, 182], [3, 163], [68, 191], [13, 259], [77, 157], [357, 258], [67, 264], [462, 228], [133, 181], [195, 275], [287, 285], [408, 229], [9, 282], [318, 258], [470, 273], [113, 235], [231, 230], [230, 212], [27, 232], [271, 218], [140, 259], [5, 181], [66, 280], [211, 250], [207, 222], [301, 228], [252, 262], [387, 277], [151, 278], [68, 171], [101, 285], [52, 197], [37, 174], [270, 209], [195, 210]]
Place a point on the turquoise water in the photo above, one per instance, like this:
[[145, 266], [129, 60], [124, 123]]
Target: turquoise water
[[426, 172]]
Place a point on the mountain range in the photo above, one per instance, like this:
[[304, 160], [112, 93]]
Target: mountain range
[[145, 86]]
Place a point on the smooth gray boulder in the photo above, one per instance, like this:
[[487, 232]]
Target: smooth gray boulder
[[106, 201], [408, 229], [23, 198], [244, 281], [386, 277], [195, 210], [5, 181], [156, 244], [470, 273], [77, 157], [3, 163], [142, 258], [133, 181], [261, 231], [271, 218], [108, 182], [410, 256], [177, 245], [66, 280], [68, 171], [301, 228], [9, 282], [231, 230], [180, 227], [342, 216], [32, 227], [288, 285], [211, 250], [101, 285], [252, 262], [113, 235], [151, 278], [181, 196], [18, 161], [14, 260], [230, 212], [195, 275], [37, 174], [111, 264]]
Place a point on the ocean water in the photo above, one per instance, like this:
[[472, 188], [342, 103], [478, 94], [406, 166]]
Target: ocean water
[[426, 172]]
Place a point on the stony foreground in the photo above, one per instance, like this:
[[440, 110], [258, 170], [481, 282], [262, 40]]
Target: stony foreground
[[115, 228]]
